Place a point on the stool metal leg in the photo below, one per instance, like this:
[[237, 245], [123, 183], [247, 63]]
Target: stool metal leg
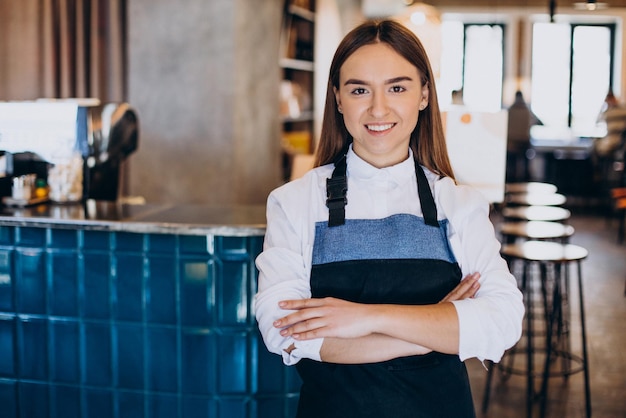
[[530, 391], [583, 329], [553, 319], [563, 324]]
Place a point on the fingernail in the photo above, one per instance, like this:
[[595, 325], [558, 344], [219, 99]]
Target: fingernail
[[277, 323], [282, 304]]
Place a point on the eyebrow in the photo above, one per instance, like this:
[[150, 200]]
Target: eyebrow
[[390, 81]]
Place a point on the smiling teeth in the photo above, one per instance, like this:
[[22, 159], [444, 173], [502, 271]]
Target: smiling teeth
[[379, 128]]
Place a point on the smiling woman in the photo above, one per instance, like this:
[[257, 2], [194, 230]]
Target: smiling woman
[[379, 275]]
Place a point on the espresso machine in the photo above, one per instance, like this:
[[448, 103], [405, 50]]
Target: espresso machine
[[73, 146]]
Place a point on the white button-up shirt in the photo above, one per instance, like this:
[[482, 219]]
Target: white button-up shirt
[[489, 323]]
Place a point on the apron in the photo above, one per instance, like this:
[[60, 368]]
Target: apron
[[402, 259]]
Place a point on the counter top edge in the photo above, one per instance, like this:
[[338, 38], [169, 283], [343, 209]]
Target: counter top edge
[[149, 218]]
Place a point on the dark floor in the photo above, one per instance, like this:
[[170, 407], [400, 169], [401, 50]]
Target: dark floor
[[604, 278]]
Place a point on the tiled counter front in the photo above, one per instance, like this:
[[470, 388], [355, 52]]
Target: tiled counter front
[[119, 324]]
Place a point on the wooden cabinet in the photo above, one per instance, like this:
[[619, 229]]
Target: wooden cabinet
[[296, 89]]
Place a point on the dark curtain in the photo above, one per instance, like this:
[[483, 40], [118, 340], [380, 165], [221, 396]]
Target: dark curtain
[[84, 48], [63, 49]]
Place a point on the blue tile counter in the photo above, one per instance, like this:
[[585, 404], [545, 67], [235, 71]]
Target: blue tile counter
[[111, 310]]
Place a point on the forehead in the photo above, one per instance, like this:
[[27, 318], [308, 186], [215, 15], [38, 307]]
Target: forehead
[[377, 61]]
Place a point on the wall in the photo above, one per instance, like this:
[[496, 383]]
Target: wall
[[203, 76]]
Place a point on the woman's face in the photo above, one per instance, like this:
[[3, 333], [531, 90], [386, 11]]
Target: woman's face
[[380, 95]]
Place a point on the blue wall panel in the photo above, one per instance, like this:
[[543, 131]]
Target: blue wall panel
[[97, 324]]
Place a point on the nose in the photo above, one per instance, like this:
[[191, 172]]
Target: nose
[[378, 106]]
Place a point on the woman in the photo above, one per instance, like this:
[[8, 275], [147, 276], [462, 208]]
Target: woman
[[360, 276]]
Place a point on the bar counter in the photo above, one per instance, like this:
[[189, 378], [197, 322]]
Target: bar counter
[[111, 310]]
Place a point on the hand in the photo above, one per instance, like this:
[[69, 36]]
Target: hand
[[327, 317], [466, 289]]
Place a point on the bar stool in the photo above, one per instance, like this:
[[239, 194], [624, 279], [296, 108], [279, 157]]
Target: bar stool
[[535, 199], [536, 213], [554, 261], [535, 230], [530, 187]]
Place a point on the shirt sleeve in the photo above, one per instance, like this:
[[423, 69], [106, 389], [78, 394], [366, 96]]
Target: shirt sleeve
[[283, 274], [491, 322]]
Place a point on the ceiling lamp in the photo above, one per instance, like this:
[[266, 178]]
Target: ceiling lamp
[[419, 14], [590, 5]]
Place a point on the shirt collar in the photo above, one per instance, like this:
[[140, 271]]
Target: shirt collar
[[362, 170]]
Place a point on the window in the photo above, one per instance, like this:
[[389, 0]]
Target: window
[[473, 61], [572, 70], [483, 66]]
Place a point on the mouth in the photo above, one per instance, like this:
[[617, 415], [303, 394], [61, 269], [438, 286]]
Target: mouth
[[380, 127]]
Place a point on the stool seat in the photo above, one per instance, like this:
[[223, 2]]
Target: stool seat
[[536, 199], [545, 251], [536, 213], [530, 187], [537, 230]]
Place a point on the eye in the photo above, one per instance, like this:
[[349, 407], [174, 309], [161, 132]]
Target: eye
[[357, 91], [397, 89]]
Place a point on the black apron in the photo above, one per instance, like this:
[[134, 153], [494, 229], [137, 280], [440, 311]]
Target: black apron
[[402, 259]]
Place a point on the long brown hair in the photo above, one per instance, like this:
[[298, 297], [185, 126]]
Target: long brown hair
[[427, 139]]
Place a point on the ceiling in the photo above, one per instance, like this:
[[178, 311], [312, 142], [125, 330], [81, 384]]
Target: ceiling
[[514, 3]]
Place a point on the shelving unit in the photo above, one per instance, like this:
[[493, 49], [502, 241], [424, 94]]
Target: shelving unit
[[296, 90]]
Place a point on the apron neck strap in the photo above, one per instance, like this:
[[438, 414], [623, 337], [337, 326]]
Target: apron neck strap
[[427, 201], [337, 190]]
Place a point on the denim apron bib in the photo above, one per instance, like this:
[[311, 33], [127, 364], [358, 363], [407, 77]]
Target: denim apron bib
[[402, 259]]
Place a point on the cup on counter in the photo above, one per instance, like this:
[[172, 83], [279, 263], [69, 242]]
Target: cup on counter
[[65, 180], [23, 187]]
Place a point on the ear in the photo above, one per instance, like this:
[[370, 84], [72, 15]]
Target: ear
[[337, 98], [425, 94]]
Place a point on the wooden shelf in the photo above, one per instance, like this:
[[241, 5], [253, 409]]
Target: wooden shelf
[[295, 64], [298, 70], [302, 12]]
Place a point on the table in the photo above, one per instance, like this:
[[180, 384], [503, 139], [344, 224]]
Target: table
[[563, 158]]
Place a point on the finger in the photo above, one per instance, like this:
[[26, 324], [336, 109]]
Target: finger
[[458, 291], [467, 288], [470, 292], [298, 316], [310, 327], [294, 304], [289, 320]]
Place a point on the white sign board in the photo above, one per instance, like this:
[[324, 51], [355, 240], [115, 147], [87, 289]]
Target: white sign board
[[477, 148]]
